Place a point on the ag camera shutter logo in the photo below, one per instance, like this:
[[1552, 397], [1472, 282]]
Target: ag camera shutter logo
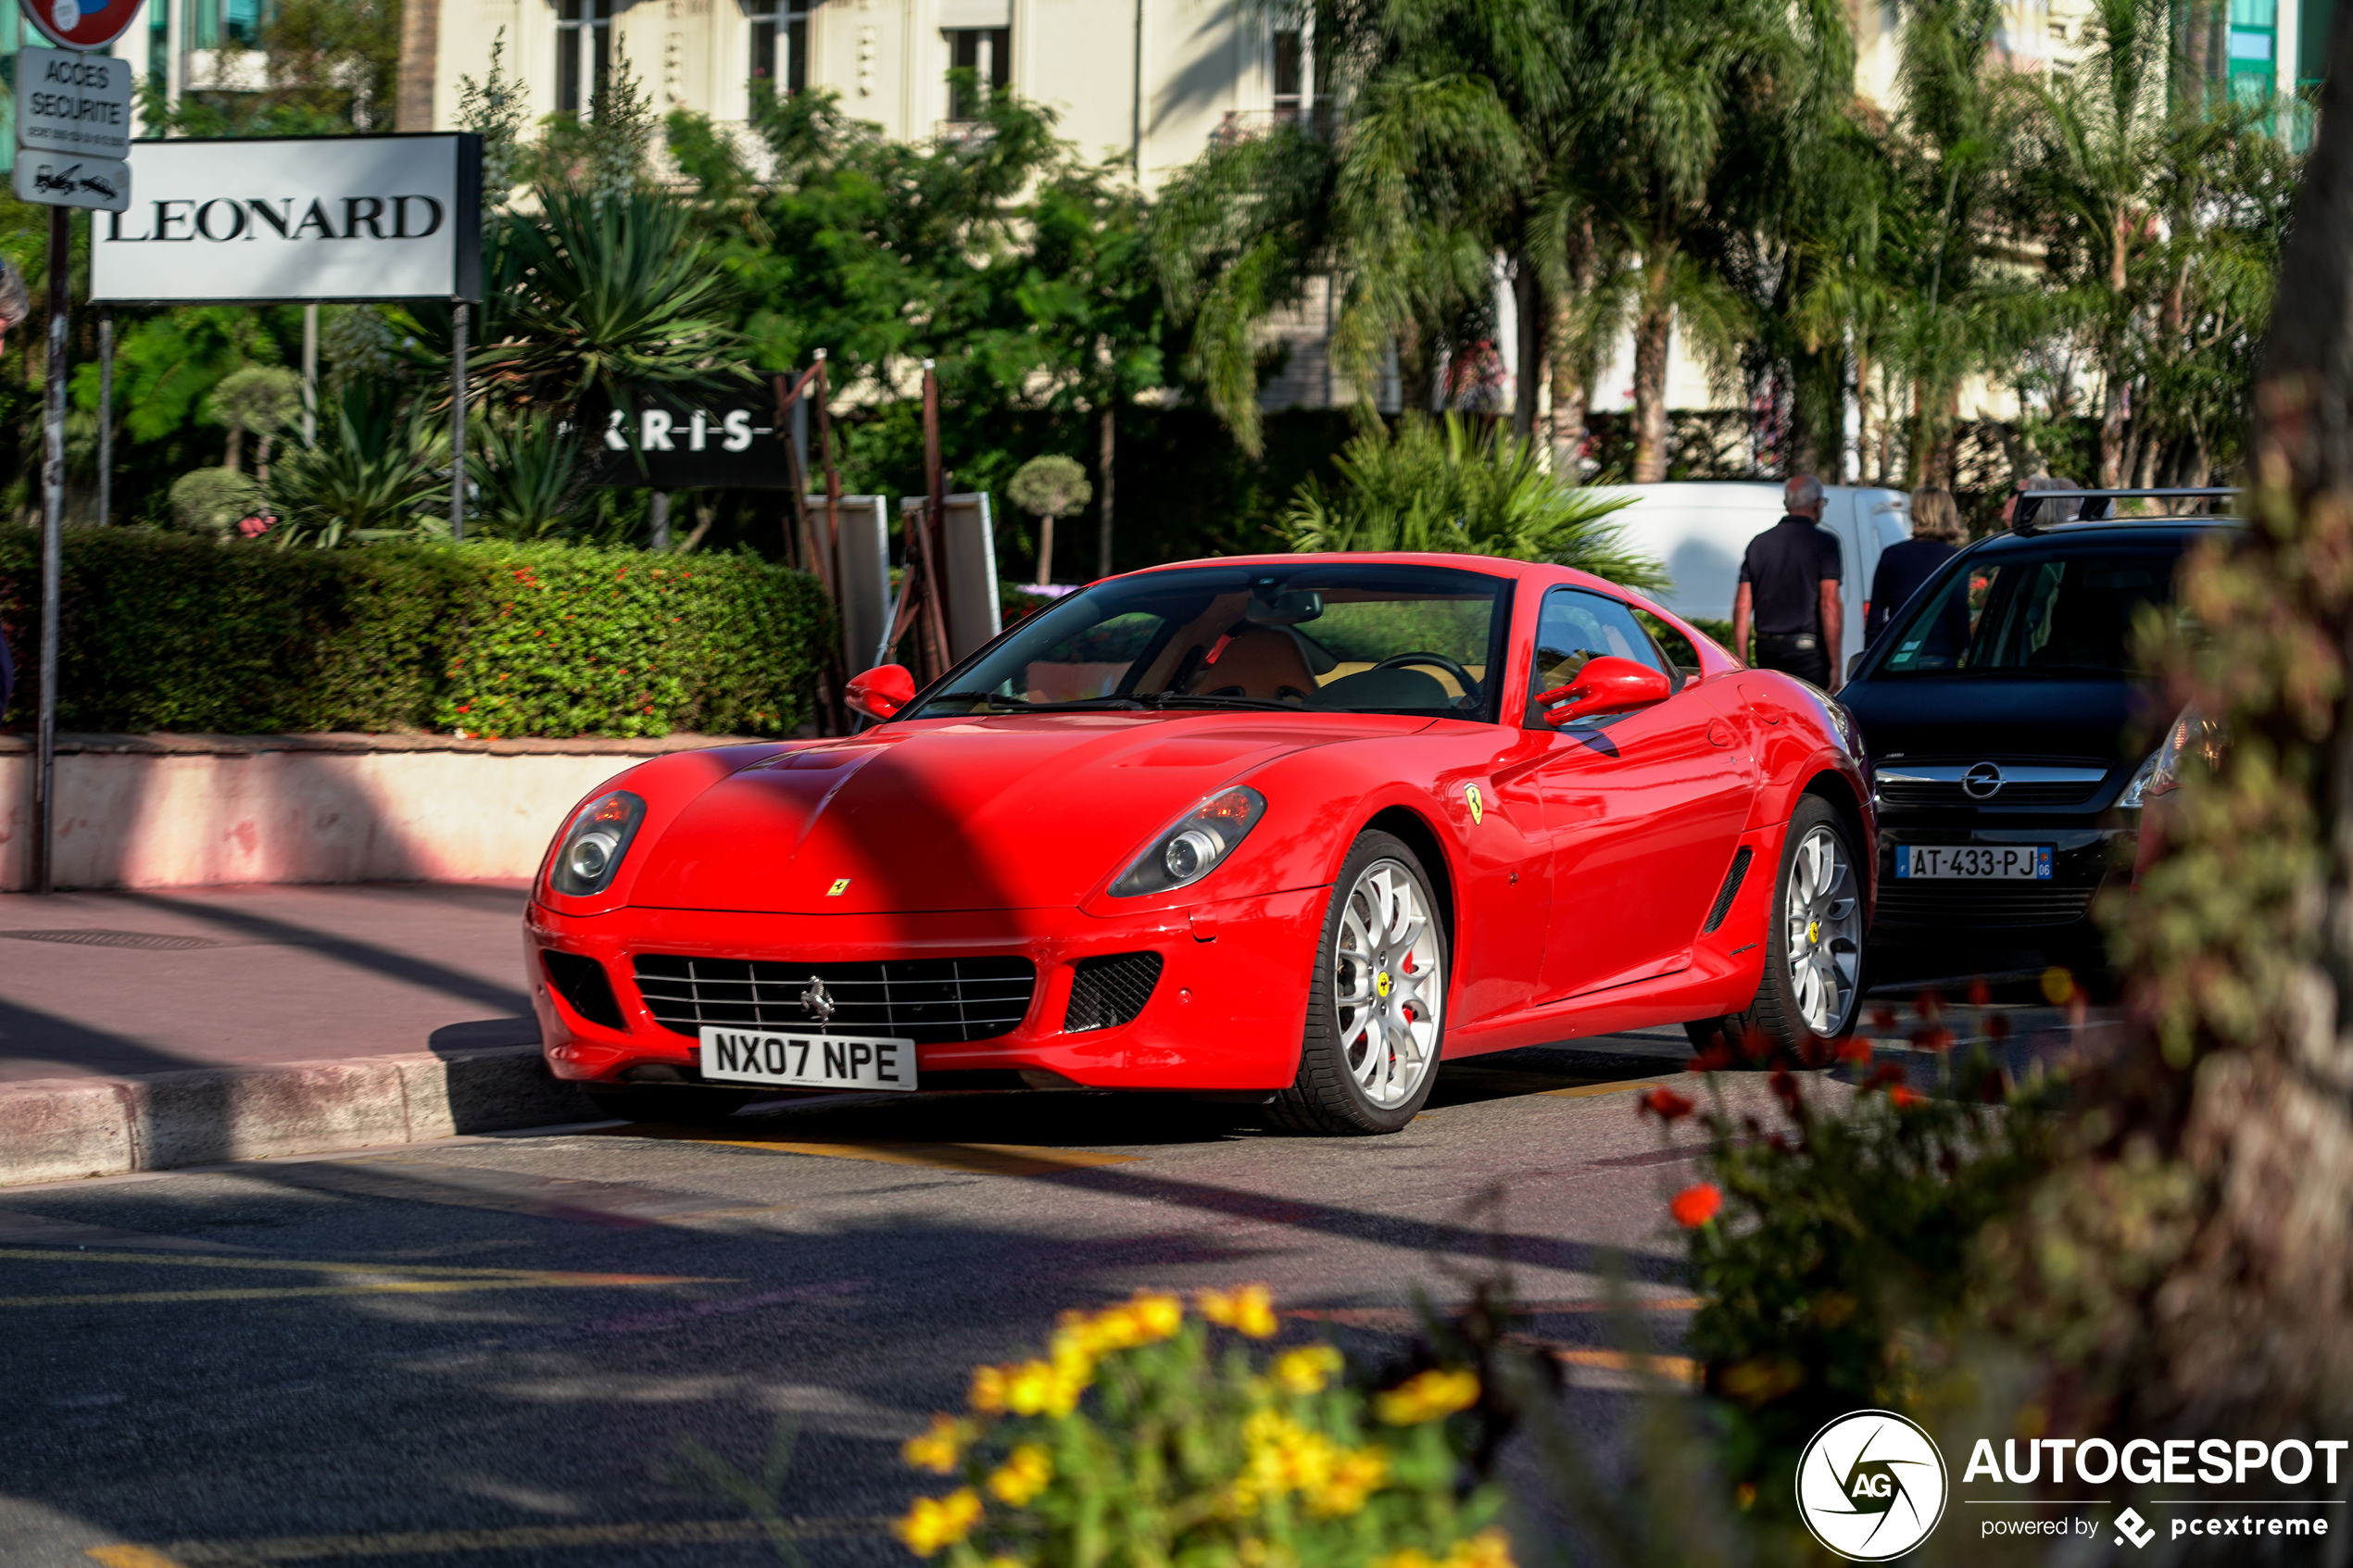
[[1871, 1485]]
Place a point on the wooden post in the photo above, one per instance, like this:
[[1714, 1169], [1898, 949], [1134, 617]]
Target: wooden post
[[457, 425], [105, 415]]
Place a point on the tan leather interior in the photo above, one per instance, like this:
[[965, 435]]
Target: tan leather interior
[[1260, 661]]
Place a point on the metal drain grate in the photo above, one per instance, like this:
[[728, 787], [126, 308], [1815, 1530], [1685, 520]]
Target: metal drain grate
[[154, 941]]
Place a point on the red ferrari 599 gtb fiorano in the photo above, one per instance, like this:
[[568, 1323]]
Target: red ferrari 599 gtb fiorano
[[1292, 826]]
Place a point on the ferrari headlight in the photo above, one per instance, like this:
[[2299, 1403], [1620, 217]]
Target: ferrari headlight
[[1193, 845], [590, 851]]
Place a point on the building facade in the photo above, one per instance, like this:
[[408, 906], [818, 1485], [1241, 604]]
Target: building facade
[[1148, 81]]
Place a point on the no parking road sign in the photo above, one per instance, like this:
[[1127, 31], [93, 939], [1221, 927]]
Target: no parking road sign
[[75, 24]]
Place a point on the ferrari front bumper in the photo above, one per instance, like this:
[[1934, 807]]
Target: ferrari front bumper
[[1225, 1014]]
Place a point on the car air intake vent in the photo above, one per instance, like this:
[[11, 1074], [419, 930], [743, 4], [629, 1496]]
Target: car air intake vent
[[1978, 906], [930, 1001], [1732, 888], [1107, 992], [581, 981]]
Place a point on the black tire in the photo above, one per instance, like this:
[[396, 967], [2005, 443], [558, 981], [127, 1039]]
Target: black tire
[[1777, 1015], [1326, 1098], [683, 1106]]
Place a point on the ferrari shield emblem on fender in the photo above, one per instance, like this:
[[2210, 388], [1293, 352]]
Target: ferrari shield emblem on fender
[[1478, 807], [841, 886]]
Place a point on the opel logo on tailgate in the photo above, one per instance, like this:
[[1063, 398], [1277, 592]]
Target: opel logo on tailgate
[[1982, 781]]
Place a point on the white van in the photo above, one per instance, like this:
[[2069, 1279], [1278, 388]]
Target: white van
[[1700, 530]]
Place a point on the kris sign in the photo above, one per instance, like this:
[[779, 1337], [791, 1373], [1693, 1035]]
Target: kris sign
[[295, 218]]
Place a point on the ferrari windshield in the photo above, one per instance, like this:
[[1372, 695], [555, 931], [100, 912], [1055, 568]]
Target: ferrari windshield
[[1321, 636], [2061, 611]]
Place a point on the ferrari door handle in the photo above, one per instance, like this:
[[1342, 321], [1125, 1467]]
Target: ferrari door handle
[[1720, 733]]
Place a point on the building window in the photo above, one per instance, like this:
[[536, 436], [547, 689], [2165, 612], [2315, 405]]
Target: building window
[[988, 52], [584, 54], [225, 24], [1290, 75], [780, 46], [158, 48]]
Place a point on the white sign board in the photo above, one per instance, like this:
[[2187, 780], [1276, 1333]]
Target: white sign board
[[323, 218], [69, 102], [63, 179]]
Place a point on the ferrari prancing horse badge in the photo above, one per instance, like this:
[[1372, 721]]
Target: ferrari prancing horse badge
[[1478, 807]]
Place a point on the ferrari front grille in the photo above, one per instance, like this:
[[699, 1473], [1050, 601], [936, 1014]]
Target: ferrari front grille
[[1108, 992], [930, 1001]]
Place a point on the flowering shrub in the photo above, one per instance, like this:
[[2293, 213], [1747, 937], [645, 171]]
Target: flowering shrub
[[1834, 1246], [1148, 1436]]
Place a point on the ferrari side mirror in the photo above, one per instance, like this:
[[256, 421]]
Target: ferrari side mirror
[[1607, 684], [881, 692]]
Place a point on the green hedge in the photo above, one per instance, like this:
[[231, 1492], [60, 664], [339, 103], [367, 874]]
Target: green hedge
[[166, 632]]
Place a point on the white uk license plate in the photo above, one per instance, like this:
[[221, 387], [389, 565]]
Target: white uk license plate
[[807, 1061], [2024, 862]]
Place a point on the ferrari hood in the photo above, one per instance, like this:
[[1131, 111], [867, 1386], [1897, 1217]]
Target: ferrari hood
[[1018, 812]]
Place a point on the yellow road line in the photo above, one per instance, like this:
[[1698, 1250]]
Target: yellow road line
[[1583, 1091], [130, 1557], [423, 1543], [1675, 1369], [973, 1159], [372, 1279]]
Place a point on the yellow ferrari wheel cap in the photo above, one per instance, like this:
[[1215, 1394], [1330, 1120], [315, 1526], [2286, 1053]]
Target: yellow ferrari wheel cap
[[1813, 932], [1381, 983]]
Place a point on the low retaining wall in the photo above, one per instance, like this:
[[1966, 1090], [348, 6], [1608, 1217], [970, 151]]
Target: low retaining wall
[[191, 810]]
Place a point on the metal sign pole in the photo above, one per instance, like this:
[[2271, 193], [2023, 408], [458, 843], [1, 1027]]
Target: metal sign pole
[[311, 375], [105, 415], [457, 426], [53, 497]]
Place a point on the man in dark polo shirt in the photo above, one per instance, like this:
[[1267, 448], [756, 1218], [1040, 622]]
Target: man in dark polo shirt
[[1789, 591]]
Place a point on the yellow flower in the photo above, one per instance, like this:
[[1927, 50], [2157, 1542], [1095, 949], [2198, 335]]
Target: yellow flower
[[938, 1449], [1025, 1472], [1004, 1562], [1489, 1549], [1358, 1475], [1307, 1370], [934, 1523], [988, 1388], [1159, 1314], [1428, 1397], [1411, 1556], [1250, 1309]]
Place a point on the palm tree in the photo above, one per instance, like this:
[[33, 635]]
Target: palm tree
[[1447, 486]]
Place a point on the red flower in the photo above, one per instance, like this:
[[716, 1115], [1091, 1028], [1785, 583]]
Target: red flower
[[1853, 1049], [1904, 1098], [1882, 1075], [1666, 1104], [1693, 1207]]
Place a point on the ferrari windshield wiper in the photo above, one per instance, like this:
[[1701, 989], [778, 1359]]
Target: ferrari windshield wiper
[[1026, 706], [1205, 699]]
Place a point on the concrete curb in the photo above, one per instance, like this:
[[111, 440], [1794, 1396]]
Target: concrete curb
[[59, 1129]]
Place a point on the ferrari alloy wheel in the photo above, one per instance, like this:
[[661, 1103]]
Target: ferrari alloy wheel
[[1376, 1007], [1813, 983], [1822, 931]]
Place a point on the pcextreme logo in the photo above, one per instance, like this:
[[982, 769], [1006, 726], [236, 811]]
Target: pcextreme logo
[[1871, 1485]]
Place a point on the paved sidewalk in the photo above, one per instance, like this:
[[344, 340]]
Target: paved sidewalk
[[115, 985]]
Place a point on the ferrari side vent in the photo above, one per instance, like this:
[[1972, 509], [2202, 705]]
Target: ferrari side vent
[[581, 980], [1741, 857], [1108, 992]]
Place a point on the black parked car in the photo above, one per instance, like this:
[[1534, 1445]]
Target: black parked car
[[2010, 733]]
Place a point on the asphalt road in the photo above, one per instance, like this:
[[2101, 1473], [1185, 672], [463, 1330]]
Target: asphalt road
[[485, 1351]]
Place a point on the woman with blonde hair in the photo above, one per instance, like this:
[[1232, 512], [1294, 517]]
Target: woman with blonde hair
[[1903, 569]]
